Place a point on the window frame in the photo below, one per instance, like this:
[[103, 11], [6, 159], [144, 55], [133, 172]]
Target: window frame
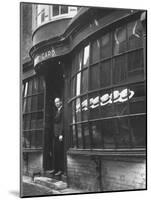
[[32, 129], [111, 86]]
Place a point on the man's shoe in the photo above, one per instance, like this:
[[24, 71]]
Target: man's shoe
[[58, 173], [52, 171]]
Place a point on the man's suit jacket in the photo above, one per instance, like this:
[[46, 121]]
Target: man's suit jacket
[[58, 122]]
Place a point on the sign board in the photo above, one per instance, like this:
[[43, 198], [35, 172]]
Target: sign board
[[44, 56]]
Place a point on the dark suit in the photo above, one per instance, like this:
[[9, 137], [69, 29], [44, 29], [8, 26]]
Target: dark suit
[[58, 145]]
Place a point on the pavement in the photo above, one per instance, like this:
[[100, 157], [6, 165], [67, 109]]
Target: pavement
[[41, 186]]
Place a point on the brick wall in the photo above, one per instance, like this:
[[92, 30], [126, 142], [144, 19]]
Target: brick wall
[[122, 174], [34, 163], [112, 174], [81, 172]]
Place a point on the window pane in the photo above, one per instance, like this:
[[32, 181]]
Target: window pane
[[119, 70], [34, 103], [40, 101], [86, 135], [73, 112], [78, 84], [122, 132], [35, 85], [64, 9], [80, 140], [94, 77], [26, 121], [36, 139], [97, 135], [27, 140], [84, 104], [80, 60], [95, 51], [106, 104], [78, 110], [29, 91], [24, 104], [33, 121], [55, 10], [138, 125], [135, 33], [120, 40], [105, 73], [77, 62], [73, 83], [120, 101], [74, 64], [84, 82], [41, 84], [135, 65], [138, 101], [74, 140], [86, 56], [39, 123], [108, 129], [28, 105], [106, 47], [94, 103], [26, 87]]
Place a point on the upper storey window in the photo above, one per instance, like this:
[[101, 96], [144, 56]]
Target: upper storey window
[[47, 13], [59, 10]]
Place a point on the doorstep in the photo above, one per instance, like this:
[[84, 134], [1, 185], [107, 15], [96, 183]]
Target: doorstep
[[53, 186]]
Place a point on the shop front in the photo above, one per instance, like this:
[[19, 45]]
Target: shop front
[[97, 68]]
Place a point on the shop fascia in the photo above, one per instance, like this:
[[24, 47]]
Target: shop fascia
[[114, 97], [44, 56]]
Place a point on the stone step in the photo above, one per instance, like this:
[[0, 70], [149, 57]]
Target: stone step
[[61, 177], [51, 183]]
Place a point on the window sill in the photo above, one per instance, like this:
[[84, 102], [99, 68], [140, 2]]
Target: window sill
[[108, 152], [32, 150]]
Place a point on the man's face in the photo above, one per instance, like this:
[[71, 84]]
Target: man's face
[[58, 102]]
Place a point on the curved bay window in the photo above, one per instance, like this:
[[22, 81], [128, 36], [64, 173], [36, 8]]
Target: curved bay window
[[108, 91], [33, 113]]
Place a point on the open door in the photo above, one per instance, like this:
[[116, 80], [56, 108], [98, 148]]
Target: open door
[[54, 88]]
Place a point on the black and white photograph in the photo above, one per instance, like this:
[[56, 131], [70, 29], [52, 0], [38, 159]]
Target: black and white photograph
[[83, 118]]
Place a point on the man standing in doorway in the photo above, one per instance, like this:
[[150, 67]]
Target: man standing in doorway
[[58, 139]]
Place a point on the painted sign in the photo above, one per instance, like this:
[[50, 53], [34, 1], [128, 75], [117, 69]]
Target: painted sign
[[44, 56], [114, 97]]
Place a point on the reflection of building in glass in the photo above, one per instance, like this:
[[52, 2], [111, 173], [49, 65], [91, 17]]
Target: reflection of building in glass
[[95, 61]]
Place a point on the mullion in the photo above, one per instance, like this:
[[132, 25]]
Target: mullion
[[81, 71]]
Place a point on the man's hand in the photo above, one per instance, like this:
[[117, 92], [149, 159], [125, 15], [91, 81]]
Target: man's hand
[[61, 137]]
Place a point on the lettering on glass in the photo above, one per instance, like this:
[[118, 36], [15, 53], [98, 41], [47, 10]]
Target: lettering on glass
[[105, 99]]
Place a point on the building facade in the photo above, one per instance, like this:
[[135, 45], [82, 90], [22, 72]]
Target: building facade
[[94, 59]]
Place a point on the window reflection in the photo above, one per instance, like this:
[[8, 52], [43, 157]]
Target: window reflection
[[120, 40], [106, 48], [84, 82], [94, 77], [135, 31], [97, 135], [78, 110], [78, 84], [86, 55]]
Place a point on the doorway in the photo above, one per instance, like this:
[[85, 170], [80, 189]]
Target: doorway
[[54, 88]]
